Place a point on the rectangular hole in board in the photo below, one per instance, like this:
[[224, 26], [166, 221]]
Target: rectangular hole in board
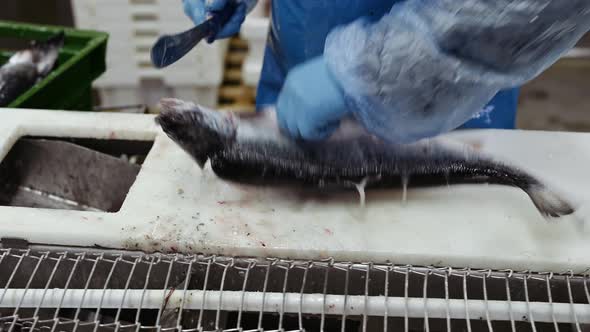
[[142, 49], [142, 2], [144, 64], [70, 174], [145, 33], [145, 17]]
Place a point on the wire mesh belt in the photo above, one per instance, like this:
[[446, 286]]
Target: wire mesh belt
[[117, 291]]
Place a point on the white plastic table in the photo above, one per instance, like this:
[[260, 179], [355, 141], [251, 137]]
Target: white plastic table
[[174, 206]]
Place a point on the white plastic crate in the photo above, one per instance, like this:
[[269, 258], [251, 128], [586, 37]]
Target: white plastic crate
[[150, 94], [134, 25], [255, 31]]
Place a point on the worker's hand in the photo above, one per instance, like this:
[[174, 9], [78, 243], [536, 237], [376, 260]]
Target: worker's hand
[[311, 104], [200, 10]]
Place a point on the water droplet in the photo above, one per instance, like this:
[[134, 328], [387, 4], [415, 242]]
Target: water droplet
[[405, 180], [361, 190]]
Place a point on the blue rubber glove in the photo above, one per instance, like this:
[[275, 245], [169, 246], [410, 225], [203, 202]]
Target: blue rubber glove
[[200, 10], [311, 103]]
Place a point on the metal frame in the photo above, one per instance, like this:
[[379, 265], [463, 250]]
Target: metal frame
[[102, 290]]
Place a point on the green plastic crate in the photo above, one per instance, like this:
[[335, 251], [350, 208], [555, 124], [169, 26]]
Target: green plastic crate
[[69, 85]]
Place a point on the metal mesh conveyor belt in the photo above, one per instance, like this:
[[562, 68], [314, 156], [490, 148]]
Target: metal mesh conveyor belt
[[124, 291]]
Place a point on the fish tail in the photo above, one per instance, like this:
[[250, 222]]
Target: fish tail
[[549, 203], [47, 52], [55, 41]]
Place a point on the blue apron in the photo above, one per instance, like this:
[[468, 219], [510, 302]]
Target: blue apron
[[298, 32]]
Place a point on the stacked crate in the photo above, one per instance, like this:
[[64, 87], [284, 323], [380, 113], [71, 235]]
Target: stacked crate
[[234, 94], [134, 25], [244, 61], [254, 31]]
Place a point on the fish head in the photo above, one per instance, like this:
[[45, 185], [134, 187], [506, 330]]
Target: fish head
[[43, 55], [199, 131]]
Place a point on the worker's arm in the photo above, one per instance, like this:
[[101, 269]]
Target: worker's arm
[[199, 10], [427, 67]]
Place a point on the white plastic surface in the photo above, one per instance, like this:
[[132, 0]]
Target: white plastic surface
[[174, 206]]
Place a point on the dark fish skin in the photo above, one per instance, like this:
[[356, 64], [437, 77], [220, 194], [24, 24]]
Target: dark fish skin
[[250, 149], [27, 67]]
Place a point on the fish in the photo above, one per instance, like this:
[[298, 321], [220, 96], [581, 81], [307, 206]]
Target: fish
[[27, 67], [250, 148]]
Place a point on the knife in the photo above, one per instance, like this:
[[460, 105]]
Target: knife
[[170, 48]]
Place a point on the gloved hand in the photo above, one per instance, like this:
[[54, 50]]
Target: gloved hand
[[200, 10], [311, 103]]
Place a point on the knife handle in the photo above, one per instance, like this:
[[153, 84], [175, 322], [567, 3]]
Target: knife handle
[[219, 18]]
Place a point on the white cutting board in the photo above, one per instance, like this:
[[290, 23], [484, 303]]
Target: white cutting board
[[174, 206]]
